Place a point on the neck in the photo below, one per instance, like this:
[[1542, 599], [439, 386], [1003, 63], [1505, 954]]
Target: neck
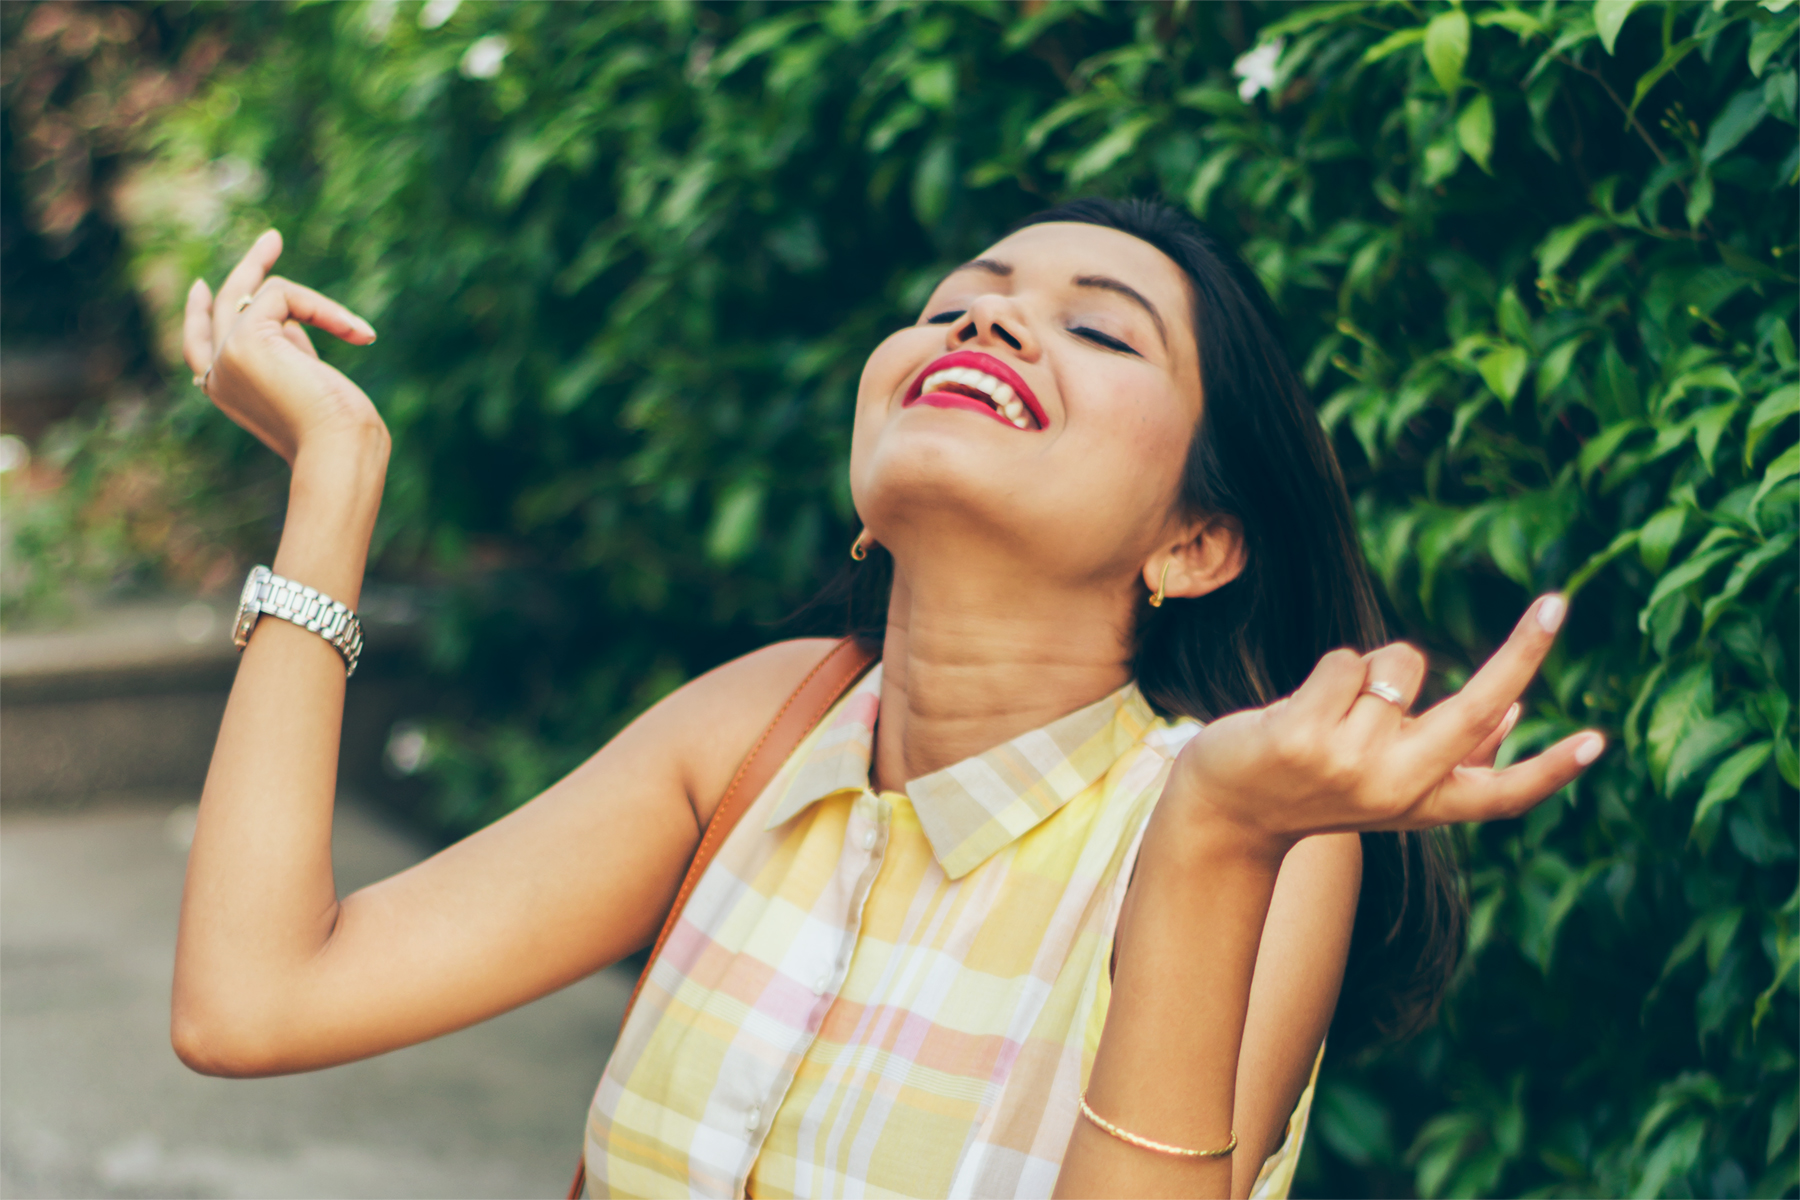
[[973, 659]]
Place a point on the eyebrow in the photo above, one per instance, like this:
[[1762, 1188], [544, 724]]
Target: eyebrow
[[1108, 284]]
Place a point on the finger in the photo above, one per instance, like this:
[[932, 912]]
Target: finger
[[295, 332], [1484, 754], [243, 281], [1398, 666], [1450, 731], [283, 300], [1478, 794], [1328, 692], [196, 328]]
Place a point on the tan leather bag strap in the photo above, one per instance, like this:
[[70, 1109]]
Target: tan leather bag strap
[[823, 687]]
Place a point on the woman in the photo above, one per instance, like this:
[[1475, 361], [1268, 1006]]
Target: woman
[[1011, 921]]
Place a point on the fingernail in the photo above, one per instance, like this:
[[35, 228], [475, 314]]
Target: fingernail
[[1550, 613], [1512, 718], [1589, 748]]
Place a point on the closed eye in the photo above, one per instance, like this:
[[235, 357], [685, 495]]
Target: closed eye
[[1103, 339], [944, 318]]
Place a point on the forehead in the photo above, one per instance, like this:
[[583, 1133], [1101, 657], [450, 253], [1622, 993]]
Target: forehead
[[1070, 248]]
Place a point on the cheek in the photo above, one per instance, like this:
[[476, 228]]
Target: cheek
[[1138, 440]]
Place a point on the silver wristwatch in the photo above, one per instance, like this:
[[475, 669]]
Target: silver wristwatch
[[267, 592]]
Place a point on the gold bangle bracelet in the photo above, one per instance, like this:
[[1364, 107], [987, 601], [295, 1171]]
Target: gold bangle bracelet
[[1144, 1143]]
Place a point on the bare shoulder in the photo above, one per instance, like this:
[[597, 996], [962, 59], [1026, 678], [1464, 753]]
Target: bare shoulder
[[717, 717]]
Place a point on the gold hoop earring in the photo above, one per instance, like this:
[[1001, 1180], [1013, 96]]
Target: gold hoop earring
[[859, 549], [1161, 586]]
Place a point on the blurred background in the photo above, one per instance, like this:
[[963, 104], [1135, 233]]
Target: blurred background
[[626, 260]]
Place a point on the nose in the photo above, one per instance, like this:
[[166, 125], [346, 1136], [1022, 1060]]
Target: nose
[[995, 320]]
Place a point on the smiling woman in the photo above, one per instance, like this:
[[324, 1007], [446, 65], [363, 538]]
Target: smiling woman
[[1056, 898]]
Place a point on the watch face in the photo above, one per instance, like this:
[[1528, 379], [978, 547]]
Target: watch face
[[247, 608]]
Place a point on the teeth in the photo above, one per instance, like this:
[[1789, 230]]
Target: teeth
[[1005, 399]]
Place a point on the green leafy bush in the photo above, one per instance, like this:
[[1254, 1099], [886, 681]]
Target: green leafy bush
[[1537, 260]]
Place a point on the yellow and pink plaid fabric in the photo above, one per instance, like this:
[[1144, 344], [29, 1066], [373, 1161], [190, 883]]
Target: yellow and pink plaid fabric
[[892, 994]]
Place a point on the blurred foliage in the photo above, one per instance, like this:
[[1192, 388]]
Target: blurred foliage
[[80, 83], [1537, 261]]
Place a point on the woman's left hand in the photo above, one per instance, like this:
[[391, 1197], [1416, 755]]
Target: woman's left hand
[[1337, 756]]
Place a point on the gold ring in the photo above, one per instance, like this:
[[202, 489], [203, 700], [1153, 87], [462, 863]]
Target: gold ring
[[246, 301], [1386, 691]]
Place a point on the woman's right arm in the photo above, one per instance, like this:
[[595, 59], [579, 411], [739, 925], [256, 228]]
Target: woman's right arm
[[273, 972]]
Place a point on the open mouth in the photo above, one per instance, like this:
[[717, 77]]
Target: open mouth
[[980, 383]]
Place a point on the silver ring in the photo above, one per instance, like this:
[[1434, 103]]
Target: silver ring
[[1386, 691], [247, 301]]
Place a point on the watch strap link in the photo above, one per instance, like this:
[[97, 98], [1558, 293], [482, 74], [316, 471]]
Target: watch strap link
[[266, 593]]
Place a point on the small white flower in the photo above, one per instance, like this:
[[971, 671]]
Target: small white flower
[[1256, 69], [14, 453], [408, 748], [378, 18], [483, 57], [436, 12]]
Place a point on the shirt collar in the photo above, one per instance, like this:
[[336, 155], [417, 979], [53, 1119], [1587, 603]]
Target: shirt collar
[[972, 809]]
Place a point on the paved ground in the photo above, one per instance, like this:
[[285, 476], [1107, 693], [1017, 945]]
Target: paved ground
[[94, 1103]]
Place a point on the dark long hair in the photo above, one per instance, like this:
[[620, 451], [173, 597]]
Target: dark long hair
[[1260, 456]]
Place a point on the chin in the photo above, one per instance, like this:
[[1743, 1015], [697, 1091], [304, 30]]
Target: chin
[[934, 477]]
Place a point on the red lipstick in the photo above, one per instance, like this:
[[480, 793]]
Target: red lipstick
[[971, 396]]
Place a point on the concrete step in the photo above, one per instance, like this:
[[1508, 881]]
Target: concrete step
[[128, 699]]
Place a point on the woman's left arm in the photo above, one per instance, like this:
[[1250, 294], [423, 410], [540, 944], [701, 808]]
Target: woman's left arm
[[1333, 758], [1299, 968]]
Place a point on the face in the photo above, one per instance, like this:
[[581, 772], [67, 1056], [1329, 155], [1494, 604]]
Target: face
[[1041, 408]]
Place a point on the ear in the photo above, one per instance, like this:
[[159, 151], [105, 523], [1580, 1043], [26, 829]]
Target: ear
[[1209, 556]]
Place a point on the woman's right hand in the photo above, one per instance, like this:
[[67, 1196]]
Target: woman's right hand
[[250, 353], [1338, 757]]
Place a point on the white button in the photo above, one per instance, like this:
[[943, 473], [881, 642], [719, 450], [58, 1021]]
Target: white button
[[753, 1117], [868, 839], [821, 983]]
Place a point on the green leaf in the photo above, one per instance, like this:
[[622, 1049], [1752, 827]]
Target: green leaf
[[1475, 131], [1771, 411], [1555, 366], [1609, 18], [1398, 40], [1712, 375], [1688, 572], [1782, 1121], [1742, 573], [933, 179], [1660, 535], [1675, 1155], [1766, 41], [1592, 566], [1710, 425], [1503, 370], [1653, 76], [1599, 449], [1447, 48], [1208, 178], [1728, 777], [1687, 699], [1700, 744], [1521, 23], [1109, 149], [1742, 114], [933, 84], [736, 523], [1785, 466], [1556, 249]]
